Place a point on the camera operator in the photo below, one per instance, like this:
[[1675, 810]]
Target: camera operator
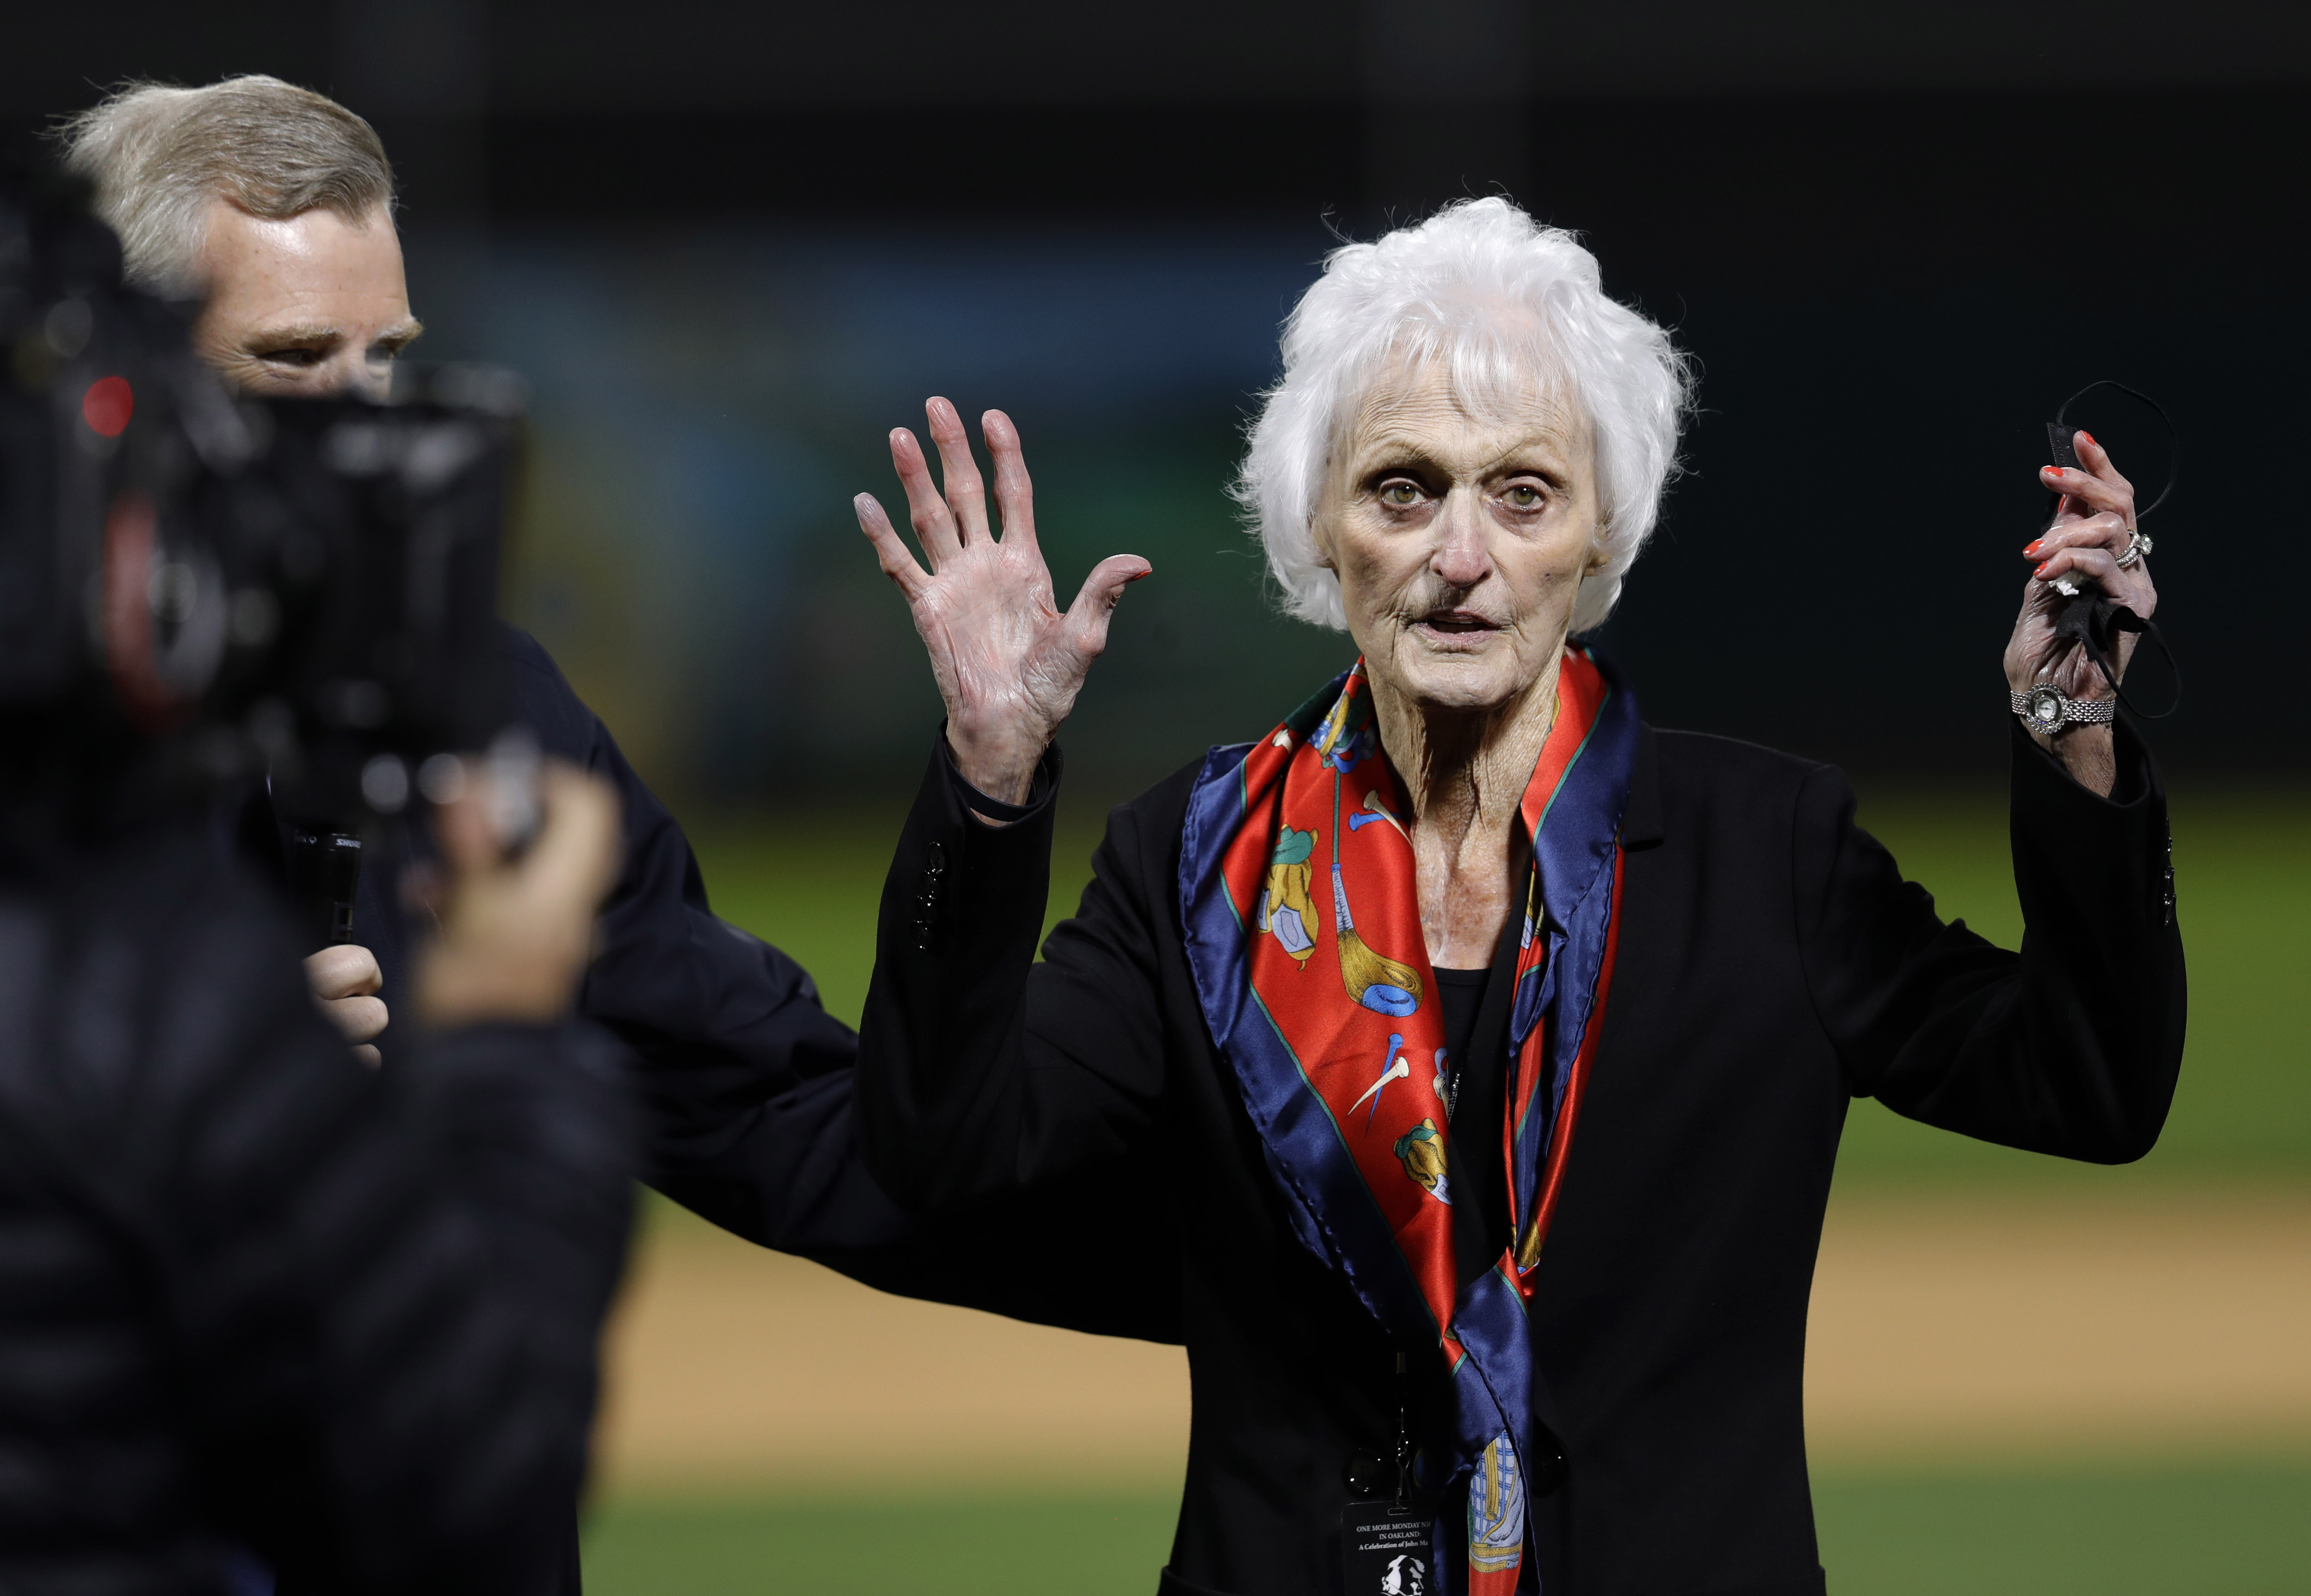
[[274, 205], [265, 1314], [277, 205]]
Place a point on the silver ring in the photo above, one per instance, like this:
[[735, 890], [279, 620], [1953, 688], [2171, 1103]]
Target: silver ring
[[2138, 543]]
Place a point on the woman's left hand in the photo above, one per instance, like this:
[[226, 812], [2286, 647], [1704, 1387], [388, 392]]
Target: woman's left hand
[[2093, 524]]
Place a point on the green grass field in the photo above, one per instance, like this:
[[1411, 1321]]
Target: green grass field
[[2241, 1531], [2243, 887], [2242, 861]]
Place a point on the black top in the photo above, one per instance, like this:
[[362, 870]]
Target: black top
[[258, 1303], [1773, 963], [1480, 1224], [1461, 992]]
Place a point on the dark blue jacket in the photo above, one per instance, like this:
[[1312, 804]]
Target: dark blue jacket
[[746, 1083]]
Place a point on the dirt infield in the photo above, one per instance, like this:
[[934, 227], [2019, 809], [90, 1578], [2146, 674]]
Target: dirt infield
[[730, 1369], [1985, 1326], [2169, 1322]]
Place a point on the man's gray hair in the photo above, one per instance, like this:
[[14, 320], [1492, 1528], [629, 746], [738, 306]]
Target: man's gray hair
[[1510, 308], [158, 156]]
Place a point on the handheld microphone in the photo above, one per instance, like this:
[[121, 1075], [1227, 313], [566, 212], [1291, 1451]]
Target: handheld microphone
[[324, 876]]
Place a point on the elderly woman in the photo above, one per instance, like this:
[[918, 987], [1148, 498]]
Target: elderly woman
[[1491, 1046]]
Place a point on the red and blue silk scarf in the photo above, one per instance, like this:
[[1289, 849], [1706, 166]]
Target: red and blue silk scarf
[[1302, 916]]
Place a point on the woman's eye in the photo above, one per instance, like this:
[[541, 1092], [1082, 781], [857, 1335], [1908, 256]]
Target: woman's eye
[[1399, 494], [1523, 495], [293, 357]]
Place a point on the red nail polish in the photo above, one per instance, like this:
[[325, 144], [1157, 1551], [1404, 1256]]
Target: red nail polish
[[2056, 471], [2088, 436], [2042, 570], [2032, 551]]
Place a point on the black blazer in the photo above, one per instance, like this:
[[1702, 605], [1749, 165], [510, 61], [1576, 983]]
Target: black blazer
[[1773, 965]]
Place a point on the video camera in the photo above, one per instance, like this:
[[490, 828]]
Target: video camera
[[196, 586]]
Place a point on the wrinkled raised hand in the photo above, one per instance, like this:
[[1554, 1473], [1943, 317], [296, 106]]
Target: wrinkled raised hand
[[1008, 662], [2093, 521]]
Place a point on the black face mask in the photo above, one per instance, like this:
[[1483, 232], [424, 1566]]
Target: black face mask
[[2092, 619]]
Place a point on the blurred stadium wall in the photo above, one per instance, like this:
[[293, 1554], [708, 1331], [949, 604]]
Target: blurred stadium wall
[[733, 246]]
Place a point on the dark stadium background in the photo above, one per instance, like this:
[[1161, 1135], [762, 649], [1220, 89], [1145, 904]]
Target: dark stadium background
[[733, 245]]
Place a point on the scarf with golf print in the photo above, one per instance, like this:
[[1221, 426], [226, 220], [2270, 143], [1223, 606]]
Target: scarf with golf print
[[1303, 923]]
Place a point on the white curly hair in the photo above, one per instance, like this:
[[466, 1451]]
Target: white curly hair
[[1507, 304]]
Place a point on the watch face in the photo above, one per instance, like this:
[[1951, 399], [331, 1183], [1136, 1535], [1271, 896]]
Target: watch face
[[2046, 705]]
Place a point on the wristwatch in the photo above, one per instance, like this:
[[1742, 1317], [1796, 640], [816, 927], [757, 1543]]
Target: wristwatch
[[2047, 709]]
